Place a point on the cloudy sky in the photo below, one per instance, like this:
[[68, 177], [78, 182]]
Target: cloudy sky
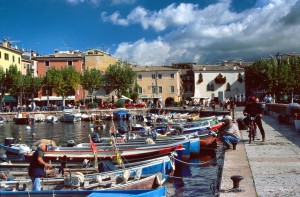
[[155, 32]]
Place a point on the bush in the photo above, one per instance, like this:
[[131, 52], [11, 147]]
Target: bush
[[93, 105], [120, 104]]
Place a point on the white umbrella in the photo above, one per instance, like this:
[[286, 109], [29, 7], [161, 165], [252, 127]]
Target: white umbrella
[[125, 98]]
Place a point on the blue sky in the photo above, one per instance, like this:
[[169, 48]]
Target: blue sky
[[155, 32]]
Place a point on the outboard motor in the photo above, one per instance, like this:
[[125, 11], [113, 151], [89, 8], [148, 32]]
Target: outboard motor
[[8, 141], [70, 143], [3, 157], [96, 137]]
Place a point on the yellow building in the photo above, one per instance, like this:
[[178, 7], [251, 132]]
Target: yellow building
[[9, 56], [98, 59], [158, 84]]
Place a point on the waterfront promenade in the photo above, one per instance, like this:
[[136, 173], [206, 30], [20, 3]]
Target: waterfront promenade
[[269, 169]]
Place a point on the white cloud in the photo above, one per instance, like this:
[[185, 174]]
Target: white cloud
[[213, 33], [76, 2]]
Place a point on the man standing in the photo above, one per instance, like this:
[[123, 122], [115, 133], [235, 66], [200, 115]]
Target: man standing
[[254, 109], [231, 133], [37, 167]]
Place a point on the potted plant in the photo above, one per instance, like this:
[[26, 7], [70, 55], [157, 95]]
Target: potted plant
[[200, 78], [220, 79]]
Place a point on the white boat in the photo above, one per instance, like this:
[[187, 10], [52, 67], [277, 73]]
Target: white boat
[[39, 117], [2, 120], [51, 119], [71, 115]]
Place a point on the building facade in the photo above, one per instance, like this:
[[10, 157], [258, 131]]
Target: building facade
[[219, 82], [100, 60], [60, 60], [9, 55], [158, 84]]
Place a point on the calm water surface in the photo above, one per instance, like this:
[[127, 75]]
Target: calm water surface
[[193, 178]]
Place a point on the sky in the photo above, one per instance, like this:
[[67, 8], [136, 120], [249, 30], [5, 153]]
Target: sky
[[155, 32]]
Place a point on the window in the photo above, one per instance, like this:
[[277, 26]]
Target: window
[[13, 58], [172, 76], [159, 76], [130, 90], [47, 63], [210, 87], [0, 54], [159, 89], [19, 60], [172, 89], [153, 76], [6, 56], [140, 77], [228, 87], [140, 90], [70, 63]]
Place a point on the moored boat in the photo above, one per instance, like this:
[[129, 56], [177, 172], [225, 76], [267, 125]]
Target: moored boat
[[23, 118], [130, 153]]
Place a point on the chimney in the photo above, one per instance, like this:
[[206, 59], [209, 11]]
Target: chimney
[[5, 43]]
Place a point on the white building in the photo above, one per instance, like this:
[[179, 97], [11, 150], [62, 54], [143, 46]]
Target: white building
[[219, 82]]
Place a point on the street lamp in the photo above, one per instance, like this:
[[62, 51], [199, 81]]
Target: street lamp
[[47, 90]]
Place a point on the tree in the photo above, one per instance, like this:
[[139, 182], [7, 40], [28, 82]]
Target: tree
[[92, 80], [276, 75], [121, 76], [2, 89], [13, 80], [31, 86], [63, 82]]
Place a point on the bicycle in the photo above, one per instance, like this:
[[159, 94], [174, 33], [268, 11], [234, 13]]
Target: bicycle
[[252, 127]]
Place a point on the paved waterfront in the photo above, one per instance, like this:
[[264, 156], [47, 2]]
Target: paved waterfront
[[269, 169]]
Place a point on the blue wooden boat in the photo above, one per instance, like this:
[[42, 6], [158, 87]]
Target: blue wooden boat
[[147, 186]]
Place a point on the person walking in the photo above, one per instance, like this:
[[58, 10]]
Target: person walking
[[37, 167], [254, 109], [230, 133]]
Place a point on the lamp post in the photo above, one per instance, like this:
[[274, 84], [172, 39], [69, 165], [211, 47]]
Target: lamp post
[[277, 77], [47, 91], [153, 86]]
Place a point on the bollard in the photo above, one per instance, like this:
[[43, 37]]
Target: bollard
[[236, 181], [234, 146]]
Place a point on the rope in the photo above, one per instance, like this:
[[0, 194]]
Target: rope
[[201, 163]]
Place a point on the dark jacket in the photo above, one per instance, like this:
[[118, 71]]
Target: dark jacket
[[36, 169], [253, 109]]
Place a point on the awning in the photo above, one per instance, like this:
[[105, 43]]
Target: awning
[[8, 98], [125, 98], [54, 98]]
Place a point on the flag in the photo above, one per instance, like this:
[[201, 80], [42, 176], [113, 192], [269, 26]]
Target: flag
[[93, 146]]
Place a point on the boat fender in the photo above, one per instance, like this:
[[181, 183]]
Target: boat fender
[[3, 157], [149, 141], [74, 180], [98, 178], [172, 162], [123, 178], [138, 174], [159, 180]]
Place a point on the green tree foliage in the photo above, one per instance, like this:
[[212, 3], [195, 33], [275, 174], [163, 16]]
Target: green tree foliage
[[121, 76], [276, 75], [31, 85], [13, 80], [92, 80], [63, 81]]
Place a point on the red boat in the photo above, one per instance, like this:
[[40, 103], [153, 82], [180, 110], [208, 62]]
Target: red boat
[[129, 153]]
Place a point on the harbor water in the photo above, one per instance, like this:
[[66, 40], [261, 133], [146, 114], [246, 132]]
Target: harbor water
[[196, 177]]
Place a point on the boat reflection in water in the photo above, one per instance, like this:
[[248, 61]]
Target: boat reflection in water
[[193, 178]]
